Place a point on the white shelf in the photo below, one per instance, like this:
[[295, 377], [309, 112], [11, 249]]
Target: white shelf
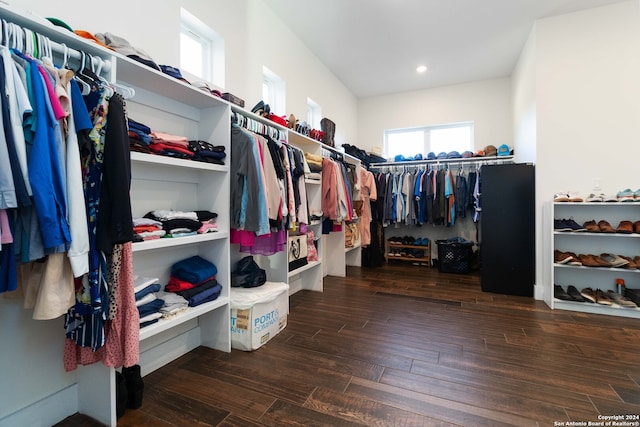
[[594, 269], [191, 313], [181, 163], [167, 242], [585, 242], [607, 204], [584, 233], [347, 250], [131, 72], [596, 308], [308, 266]]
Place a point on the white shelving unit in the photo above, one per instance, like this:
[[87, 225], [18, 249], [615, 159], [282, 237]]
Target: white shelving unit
[[332, 255], [594, 243], [168, 105]]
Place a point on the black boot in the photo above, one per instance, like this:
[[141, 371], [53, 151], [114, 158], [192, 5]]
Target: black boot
[[135, 386], [122, 395]]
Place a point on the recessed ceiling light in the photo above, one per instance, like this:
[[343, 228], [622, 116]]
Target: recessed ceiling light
[[421, 69]]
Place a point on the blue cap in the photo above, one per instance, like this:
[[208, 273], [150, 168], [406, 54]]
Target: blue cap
[[504, 150], [442, 155], [431, 155], [453, 155], [417, 157], [399, 158]]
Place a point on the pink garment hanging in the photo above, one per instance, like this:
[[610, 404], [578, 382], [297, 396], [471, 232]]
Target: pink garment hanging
[[122, 346]]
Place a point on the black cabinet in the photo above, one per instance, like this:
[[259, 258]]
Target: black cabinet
[[507, 229]]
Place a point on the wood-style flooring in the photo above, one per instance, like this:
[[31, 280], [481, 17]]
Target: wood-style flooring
[[406, 346]]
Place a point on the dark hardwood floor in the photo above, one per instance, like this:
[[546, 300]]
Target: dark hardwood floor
[[406, 346]]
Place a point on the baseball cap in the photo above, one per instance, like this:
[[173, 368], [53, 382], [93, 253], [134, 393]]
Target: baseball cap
[[504, 150], [173, 72], [490, 150]]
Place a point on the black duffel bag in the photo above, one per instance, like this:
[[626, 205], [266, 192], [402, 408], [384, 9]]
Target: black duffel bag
[[248, 274]]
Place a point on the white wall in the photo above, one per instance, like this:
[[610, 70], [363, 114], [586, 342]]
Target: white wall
[[31, 353], [254, 36], [587, 111], [487, 103]]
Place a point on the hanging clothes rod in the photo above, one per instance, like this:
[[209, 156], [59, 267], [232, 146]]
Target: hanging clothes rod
[[36, 44], [255, 124], [470, 160]]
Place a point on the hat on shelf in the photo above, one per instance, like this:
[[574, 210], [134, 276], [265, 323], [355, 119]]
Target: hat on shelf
[[467, 154], [431, 155], [504, 150], [173, 72], [490, 150], [59, 23], [377, 151]]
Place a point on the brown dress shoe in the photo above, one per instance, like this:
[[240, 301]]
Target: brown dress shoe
[[636, 227], [602, 298], [591, 226], [625, 227], [589, 260], [605, 227], [575, 260], [588, 294]]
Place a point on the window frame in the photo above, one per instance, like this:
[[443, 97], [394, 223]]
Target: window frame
[[213, 48], [426, 143]]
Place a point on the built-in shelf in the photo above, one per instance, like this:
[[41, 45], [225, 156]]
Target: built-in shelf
[[181, 163], [308, 266], [167, 242], [594, 269], [191, 313], [596, 308]]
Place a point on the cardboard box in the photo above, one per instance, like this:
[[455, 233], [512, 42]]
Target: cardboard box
[[258, 314]]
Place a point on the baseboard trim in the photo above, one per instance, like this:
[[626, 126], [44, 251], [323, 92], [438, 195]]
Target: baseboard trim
[[45, 412]]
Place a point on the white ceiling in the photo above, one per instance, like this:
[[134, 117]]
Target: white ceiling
[[374, 46]]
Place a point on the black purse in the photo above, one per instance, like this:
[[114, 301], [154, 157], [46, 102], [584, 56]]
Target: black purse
[[248, 274]]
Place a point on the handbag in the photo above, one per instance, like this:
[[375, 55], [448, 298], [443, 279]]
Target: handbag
[[297, 251]]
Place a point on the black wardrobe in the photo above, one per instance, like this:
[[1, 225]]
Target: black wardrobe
[[507, 229]]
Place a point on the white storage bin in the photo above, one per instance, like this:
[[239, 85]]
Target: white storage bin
[[258, 314]]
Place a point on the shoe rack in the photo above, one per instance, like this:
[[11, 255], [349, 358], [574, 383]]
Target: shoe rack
[[402, 251], [594, 242]]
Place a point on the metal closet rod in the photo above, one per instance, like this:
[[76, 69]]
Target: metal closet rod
[[470, 160]]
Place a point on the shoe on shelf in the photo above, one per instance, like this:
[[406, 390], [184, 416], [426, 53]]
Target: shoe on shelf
[[575, 197], [625, 227], [561, 225], [632, 265], [636, 227], [633, 295], [626, 195], [589, 260], [575, 294], [419, 253], [561, 197], [575, 260], [591, 226], [605, 227], [595, 198], [611, 198], [560, 257], [620, 300], [559, 293], [636, 195], [588, 294], [574, 226], [602, 298], [614, 260], [418, 241]]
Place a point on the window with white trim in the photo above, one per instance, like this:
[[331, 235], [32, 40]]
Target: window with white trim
[[273, 92], [314, 114], [201, 50], [409, 142]]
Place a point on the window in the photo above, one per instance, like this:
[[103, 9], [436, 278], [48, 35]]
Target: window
[[441, 138], [273, 92], [201, 50], [314, 114]]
